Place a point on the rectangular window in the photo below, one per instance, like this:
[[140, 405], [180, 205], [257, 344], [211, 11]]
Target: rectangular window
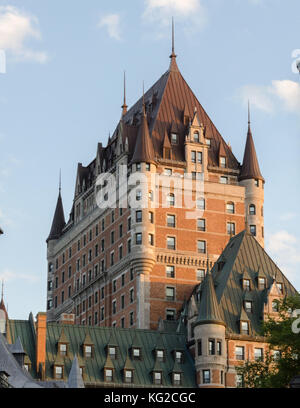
[[114, 286], [261, 283], [108, 375], [170, 271], [211, 347], [123, 322], [131, 295], [112, 237], [258, 354], [245, 327], [114, 306], [239, 353], [219, 348], [129, 223], [171, 221], [131, 274], [151, 239], [223, 162], [112, 259], [151, 217], [201, 247], [102, 313], [170, 293], [230, 208], [200, 204], [171, 243], [138, 216], [131, 319], [200, 274], [58, 372], [253, 230], [201, 224], [168, 172], [129, 246], [102, 245], [199, 156], [121, 230], [223, 180], [193, 156], [248, 306], [120, 252], [246, 284], [239, 381], [122, 301], [230, 228], [157, 378], [138, 238], [206, 376], [174, 138]]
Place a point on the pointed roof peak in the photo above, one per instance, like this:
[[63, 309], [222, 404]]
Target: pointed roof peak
[[209, 311], [58, 222], [75, 378], [250, 167]]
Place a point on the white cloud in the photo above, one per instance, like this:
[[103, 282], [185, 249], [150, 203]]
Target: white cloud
[[112, 23], [9, 275], [161, 11], [284, 249], [281, 94], [16, 28]]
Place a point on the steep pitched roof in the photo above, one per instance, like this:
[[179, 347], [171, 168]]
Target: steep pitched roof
[[75, 378], [144, 151], [209, 308], [244, 252], [174, 99], [250, 167], [58, 222]]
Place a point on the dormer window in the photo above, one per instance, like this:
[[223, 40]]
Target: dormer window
[[244, 327], [136, 353], [128, 376], [280, 287], [58, 372], [176, 378], [261, 283], [87, 351], [248, 306], [196, 137], [157, 377], [223, 162], [108, 374], [174, 138], [246, 284], [275, 306], [63, 349], [160, 355], [112, 351], [178, 356]]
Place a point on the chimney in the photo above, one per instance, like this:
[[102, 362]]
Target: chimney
[[41, 332], [67, 318]]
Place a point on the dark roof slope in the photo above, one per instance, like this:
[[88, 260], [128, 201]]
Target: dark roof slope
[[58, 222], [250, 168]]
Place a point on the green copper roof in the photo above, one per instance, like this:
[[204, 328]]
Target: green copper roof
[[124, 339]]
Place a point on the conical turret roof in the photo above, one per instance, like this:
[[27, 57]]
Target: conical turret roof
[[209, 311], [58, 222], [250, 168], [144, 151]]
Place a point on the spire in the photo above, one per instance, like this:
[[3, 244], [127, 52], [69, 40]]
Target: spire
[[58, 222], [124, 106], [250, 168], [2, 305], [75, 378], [209, 311], [173, 64], [144, 151]]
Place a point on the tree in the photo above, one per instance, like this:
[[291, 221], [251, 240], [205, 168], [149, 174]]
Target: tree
[[276, 371]]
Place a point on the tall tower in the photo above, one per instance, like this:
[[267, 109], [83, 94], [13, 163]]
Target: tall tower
[[209, 334], [253, 181]]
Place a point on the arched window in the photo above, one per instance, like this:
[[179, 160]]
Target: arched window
[[252, 209], [196, 137]]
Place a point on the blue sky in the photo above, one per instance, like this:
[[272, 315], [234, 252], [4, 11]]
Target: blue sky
[[62, 91]]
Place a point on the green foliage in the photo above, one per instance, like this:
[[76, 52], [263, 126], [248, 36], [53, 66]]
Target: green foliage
[[276, 373]]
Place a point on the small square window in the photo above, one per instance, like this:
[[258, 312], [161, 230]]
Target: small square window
[[170, 314], [201, 247], [224, 180], [174, 138], [239, 353], [170, 293], [200, 274], [201, 224], [138, 238], [170, 271], [258, 354]]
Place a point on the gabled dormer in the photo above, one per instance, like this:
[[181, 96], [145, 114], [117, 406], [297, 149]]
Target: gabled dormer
[[195, 130], [63, 344], [273, 297], [176, 374], [244, 323], [88, 346], [128, 371]]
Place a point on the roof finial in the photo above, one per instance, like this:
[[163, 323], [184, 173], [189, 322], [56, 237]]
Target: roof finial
[[59, 181], [2, 297], [144, 110], [124, 106], [249, 113], [173, 55]]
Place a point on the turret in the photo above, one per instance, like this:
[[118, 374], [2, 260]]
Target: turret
[[253, 181], [209, 334]]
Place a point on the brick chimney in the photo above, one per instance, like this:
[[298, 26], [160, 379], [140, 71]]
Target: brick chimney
[[67, 318], [41, 331]]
